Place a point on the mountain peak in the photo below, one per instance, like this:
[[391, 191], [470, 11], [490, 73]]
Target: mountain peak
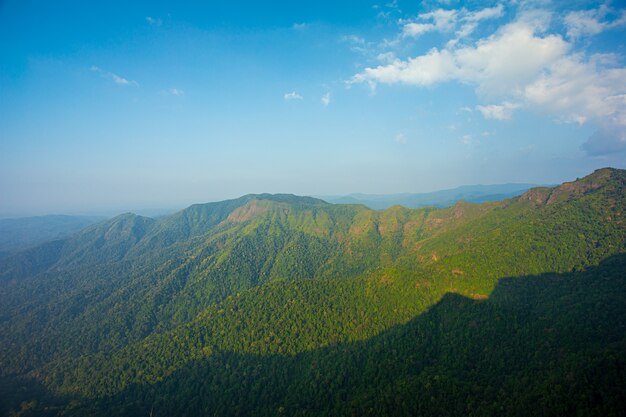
[[604, 178]]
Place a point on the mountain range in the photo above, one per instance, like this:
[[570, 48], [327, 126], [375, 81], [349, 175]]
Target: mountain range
[[22, 233], [442, 198], [287, 305]]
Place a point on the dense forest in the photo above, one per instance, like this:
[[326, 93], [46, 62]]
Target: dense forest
[[285, 305]]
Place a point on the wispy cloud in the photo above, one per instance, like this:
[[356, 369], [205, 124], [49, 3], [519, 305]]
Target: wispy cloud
[[176, 92], [502, 111], [386, 10], [591, 22], [358, 44], [441, 20], [326, 99], [113, 77], [353, 39], [300, 26], [292, 96], [400, 137], [467, 140], [462, 21], [154, 21]]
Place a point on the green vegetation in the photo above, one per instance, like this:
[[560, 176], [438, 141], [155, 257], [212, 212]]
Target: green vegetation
[[276, 304]]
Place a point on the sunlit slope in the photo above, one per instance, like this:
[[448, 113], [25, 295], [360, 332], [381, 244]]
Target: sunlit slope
[[276, 274], [420, 256]]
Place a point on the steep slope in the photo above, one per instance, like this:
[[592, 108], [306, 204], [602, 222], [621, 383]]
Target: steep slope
[[100, 289]]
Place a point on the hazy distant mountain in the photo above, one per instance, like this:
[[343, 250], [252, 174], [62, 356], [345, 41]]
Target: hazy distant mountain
[[443, 198], [272, 305], [21, 233]]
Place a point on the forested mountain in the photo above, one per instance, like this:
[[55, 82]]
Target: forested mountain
[[22, 233], [442, 198], [277, 304]]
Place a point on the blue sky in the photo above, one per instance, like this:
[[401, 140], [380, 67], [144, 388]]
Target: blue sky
[[124, 105]]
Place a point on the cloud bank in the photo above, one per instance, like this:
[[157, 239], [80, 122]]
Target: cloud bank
[[522, 64]]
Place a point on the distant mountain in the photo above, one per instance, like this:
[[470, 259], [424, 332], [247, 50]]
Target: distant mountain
[[443, 198], [283, 305], [22, 233]]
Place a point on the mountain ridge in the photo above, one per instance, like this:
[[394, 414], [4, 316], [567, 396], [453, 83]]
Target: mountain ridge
[[17, 234], [235, 272], [441, 198]]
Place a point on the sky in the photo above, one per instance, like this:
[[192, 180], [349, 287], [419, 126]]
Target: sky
[[114, 106]]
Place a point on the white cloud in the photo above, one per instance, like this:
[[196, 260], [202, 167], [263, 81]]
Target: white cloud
[[522, 64], [326, 99], [506, 61], [434, 67], [502, 111], [486, 13], [113, 77], [581, 91], [503, 62], [358, 44], [299, 26], [352, 39], [467, 140], [121, 80], [471, 20], [292, 96], [154, 21], [176, 92], [416, 29], [442, 20], [400, 138], [583, 22], [585, 91], [591, 22], [387, 57]]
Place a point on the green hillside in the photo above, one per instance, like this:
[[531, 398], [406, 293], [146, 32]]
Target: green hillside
[[277, 304]]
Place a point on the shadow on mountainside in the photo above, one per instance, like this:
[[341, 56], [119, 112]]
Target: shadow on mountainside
[[548, 345]]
